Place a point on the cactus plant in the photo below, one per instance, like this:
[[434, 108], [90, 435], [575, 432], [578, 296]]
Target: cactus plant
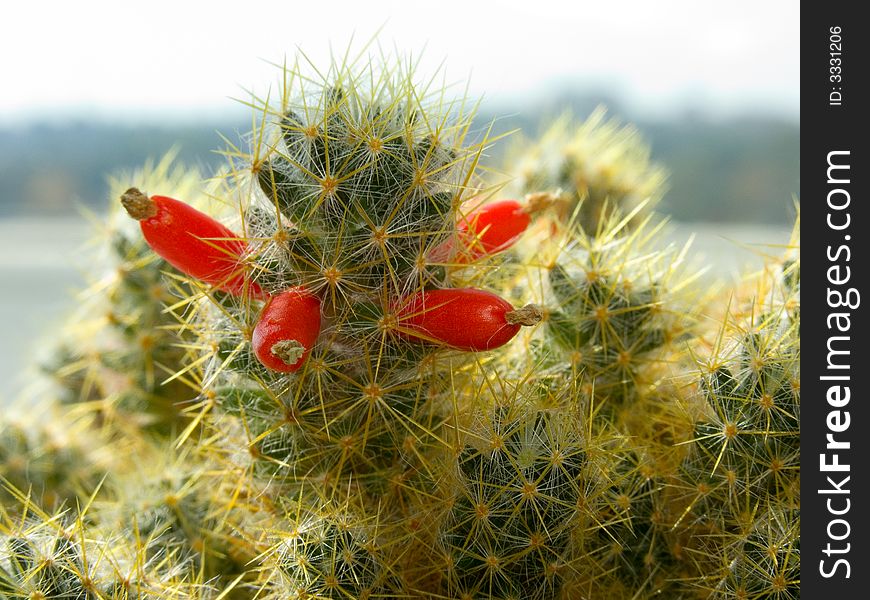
[[386, 380], [595, 168]]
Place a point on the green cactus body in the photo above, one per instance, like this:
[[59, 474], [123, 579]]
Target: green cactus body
[[741, 479], [508, 532], [51, 556], [615, 312]]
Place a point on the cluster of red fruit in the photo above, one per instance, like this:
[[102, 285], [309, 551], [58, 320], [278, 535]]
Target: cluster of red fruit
[[289, 323]]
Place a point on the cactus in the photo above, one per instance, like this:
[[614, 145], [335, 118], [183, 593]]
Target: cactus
[[370, 376], [741, 480], [56, 465], [616, 307], [508, 532], [596, 168], [62, 555]]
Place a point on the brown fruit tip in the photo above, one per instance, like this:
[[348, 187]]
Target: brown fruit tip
[[540, 201], [138, 205], [289, 351], [527, 316]]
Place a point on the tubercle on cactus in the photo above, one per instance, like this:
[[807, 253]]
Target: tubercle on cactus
[[464, 318], [192, 242]]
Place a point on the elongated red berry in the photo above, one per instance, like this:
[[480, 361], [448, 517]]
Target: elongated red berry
[[488, 230], [287, 329], [494, 227], [192, 242], [463, 318]]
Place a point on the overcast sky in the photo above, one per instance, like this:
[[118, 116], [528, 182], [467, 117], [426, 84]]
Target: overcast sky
[[149, 58]]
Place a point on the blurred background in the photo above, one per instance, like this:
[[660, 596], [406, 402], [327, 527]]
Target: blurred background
[[91, 88]]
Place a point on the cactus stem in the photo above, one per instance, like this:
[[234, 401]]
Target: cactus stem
[[529, 315], [138, 205]]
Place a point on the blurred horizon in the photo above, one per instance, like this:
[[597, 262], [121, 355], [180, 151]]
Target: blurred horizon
[[742, 168], [698, 103]]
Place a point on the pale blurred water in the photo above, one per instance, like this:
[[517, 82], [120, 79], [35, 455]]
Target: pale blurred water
[[41, 264], [40, 271]]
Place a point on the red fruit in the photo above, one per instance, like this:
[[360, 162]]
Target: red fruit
[[487, 230], [464, 318], [287, 329], [192, 242], [495, 227]]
